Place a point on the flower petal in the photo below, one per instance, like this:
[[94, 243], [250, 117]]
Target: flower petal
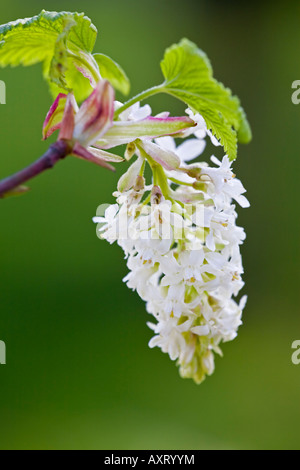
[[200, 330], [167, 142], [190, 149]]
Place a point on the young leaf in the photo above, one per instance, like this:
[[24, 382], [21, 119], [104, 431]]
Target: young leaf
[[32, 40], [74, 80], [49, 38], [113, 72], [59, 62], [189, 77]]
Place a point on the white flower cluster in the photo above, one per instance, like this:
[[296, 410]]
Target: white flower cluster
[[183, 253]]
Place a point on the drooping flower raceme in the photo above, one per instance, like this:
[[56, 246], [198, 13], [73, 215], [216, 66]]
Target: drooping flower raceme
[[182, 244], [178, 231]]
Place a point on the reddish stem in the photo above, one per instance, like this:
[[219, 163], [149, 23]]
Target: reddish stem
[[56, 152]]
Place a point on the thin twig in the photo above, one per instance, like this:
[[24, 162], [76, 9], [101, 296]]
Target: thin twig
[[56, 152]]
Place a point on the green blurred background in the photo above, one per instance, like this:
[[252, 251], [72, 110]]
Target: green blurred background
[[79, 373]]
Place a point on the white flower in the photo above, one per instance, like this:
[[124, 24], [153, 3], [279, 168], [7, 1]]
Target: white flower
[[188, 150], [201, 130], [151, 251], [136, 112], [223, 186]]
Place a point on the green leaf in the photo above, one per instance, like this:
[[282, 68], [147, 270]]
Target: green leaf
[[113, 72], [74, 80], [51, 38], [32, 40], [189, 77], [59, 62]]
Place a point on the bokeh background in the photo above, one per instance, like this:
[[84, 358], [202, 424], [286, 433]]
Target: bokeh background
[[79, 373]]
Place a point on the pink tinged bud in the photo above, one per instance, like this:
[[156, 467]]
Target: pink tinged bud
[[54, 116], [87, 154], [166, 158], [128, 179], [68, 120], [95, 115], [106, 156]]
